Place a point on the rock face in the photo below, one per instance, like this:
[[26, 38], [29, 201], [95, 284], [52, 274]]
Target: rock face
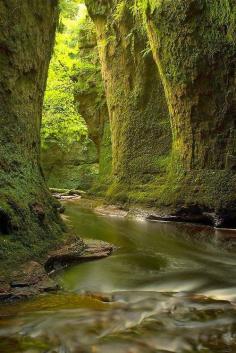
[[30, 280], [138, 113], [26, 40], [194, 48], [90, 97], [75, 168]]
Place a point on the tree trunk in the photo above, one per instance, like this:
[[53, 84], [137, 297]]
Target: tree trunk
[[194, 47], [28, 215], [137, 108]]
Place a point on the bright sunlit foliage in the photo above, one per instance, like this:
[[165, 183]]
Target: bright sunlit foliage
[[61, 123]]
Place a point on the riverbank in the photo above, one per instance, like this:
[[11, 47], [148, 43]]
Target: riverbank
[[152, 214], [36, 276], [33, 278], [190, 213], [168, 286]]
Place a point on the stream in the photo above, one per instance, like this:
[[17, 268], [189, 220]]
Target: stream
[[167, 288]]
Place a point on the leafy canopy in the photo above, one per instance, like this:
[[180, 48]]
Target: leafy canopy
[[61, 122]]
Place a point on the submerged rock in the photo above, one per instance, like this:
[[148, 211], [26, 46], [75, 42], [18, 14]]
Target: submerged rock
[[102, 297]]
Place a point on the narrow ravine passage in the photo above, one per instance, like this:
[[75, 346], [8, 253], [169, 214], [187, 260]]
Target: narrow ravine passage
[[117, 117], [167, 288]]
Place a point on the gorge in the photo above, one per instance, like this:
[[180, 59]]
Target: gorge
[[117, 144], [156, 89]]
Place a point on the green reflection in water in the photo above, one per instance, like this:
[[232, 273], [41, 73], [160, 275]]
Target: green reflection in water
[[171, 289]]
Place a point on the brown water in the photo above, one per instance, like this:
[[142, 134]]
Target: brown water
[[172, 288]]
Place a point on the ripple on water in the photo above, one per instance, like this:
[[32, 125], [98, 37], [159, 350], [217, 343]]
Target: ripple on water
[[171, 289], [135, 321]]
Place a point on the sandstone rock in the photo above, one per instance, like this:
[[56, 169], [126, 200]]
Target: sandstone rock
[[77, 252], [32, 278]]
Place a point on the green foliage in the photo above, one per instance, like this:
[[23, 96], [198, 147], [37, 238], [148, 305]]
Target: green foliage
[[62, 125], [69, 8], [87, 73], [120, 10], [69, 156], [85, 29]]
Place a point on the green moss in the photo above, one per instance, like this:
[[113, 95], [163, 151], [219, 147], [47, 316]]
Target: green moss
[[91, 101], [73, 168], [140, 126], [194, 51], [29, 219], [214, 190], [105, 157], [100, 8], [193, 45]]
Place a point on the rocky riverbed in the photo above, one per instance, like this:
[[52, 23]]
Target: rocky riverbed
[[191, 215]]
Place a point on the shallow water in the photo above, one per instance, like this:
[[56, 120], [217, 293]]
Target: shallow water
[[167, 288]]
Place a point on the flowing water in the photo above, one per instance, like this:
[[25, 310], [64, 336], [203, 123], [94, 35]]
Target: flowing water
[[167, 288]]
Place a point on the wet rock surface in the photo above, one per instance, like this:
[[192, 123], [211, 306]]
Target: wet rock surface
[[33, 278], [111, 210], [77, 253], [195, 214], [66, 197], [29, 280], [67, 194]]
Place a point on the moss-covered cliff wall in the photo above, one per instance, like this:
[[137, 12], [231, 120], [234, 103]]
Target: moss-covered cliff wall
[[74, 168], [193, 45], [90, 98], [28, 216], [135, 97], [195, 50], [182, 89]]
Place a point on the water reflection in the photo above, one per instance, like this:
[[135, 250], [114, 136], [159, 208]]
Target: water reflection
[[154, 256], [172, 289]]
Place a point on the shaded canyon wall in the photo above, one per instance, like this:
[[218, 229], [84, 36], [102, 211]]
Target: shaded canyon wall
[[91, 102], [194, 47], [29, 222], [140, 127]]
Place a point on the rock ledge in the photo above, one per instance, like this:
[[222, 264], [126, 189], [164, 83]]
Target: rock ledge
[[33, 278]]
